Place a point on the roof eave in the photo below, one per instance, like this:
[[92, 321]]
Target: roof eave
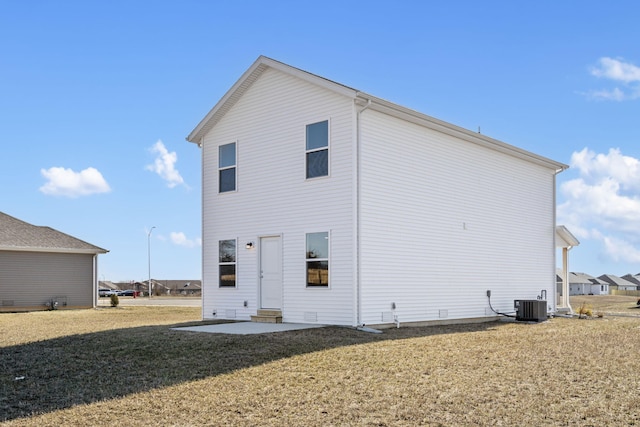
[[568, 238], [54, 250], [246, 80], [262, 63], [416, 117]]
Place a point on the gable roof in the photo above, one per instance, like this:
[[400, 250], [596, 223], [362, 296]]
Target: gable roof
[[578, 278], [615, 280], [17, 235], [361, 99], [632, 278]]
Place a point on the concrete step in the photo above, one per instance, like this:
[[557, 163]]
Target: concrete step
[[271, 312], [267, 316], [266, 319]]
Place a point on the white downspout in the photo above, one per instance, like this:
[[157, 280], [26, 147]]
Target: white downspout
[[357, 209], [202, 231]]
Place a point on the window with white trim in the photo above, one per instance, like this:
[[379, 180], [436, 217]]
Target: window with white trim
[[227, 167], [227, 263], [317, 259], [317, 149]]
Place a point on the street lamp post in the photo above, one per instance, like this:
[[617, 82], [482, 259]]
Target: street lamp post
[[149, 258]]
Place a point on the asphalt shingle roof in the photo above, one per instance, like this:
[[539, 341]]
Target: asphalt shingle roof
[[615, 280], [19, 235]]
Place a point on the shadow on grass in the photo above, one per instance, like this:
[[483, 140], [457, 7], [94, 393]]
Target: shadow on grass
[[59, 373]]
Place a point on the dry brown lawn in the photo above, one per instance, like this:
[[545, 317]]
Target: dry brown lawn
[[127, 367]]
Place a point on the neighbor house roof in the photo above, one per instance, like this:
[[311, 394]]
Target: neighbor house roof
[[615, 280], [361, 99], [17, 235], [585, 278], [633, 278]]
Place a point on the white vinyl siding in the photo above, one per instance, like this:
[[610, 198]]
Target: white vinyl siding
[[444, 220], [268, 123], [31, 279], [421, 222]]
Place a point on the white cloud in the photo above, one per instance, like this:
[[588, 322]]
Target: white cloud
[[164, 165], [621, 250], [619, 71], [608, 95], [616, 69], [603, 204], [624, 170], [180, 239], [68, 183]]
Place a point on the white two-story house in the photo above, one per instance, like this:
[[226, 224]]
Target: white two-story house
[[337, 207]]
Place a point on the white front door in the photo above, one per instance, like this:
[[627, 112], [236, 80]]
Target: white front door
[[271, 272]]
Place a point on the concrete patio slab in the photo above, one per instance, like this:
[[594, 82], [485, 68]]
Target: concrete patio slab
[[248, 328]]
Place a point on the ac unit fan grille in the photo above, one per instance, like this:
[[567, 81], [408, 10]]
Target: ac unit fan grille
[[531, 310]]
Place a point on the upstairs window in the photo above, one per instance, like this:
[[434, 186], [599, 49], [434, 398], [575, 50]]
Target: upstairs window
[[318, 259], [317, 149], [227, 263], [227, 168]]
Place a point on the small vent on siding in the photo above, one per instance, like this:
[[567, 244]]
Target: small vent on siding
[[443, 313], [230, 314], [387, 316], [8, 302], [310, 316]]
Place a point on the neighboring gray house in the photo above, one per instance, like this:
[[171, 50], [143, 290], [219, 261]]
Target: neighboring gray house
[[42, 268], [618, 283], [171, 287], [633, 278], [179, 287], [324, 204], [585, 284]]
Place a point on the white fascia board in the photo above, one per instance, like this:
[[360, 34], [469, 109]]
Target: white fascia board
[[52, 250], [566, 239], [310, 77], [421, 119], [243, 83], [227, 101]]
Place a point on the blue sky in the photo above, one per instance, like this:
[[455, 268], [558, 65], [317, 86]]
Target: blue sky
[[96, 99]]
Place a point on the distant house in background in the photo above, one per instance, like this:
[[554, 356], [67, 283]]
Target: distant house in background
[[633, 278], [42, 268], [160, 287], [107, 284], [618, 283], [175, 287], [584, 284]]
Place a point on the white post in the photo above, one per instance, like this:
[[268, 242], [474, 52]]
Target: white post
[[565, 277]]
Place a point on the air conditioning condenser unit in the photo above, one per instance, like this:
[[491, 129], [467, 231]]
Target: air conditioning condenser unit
[[530, 310]]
